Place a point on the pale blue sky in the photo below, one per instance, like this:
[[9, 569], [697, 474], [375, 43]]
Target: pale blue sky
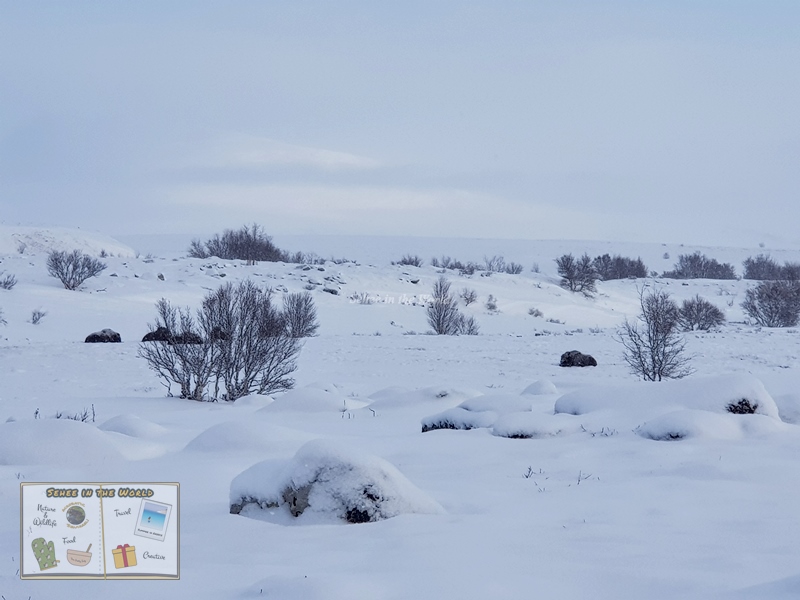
[[637, 121]]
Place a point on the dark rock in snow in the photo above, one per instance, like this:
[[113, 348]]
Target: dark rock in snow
[[573, 358], [103, 336]]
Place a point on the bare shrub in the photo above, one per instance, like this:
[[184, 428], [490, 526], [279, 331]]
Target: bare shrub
[[300, 314], [742, 407], [763, 268], [2, 320], [535, 312], [248, 243], [84, 416], [7, 282], [699, 266], [443, 314], [491, 303], [190, 366], [773, 303], [610, 267], [37, 315], [535, 267], [73, 268], [244, 345], [411, 260], [513, 268], [698, 313], [468, 296], [653, 348], [467, 325], [577, 275], [495, 264]]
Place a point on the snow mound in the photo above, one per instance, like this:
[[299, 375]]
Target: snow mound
[[443, 397], [329, 482], [499, 403], [686, 424], [233, 436], [312, 399], [713, 394], [133, 426], [387, 392], [528, 425], [38, 239], [458, 418], [61, 442], [543, 387]]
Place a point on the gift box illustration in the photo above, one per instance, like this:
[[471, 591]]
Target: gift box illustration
[[45, 554], [124, 556]]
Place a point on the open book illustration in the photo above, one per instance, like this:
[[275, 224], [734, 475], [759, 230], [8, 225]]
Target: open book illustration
[[100, 531]]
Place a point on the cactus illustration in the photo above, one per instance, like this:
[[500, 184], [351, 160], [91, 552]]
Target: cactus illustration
[[45, 553]]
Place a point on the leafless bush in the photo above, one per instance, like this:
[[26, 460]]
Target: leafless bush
[[21, 246], [535, 312], [468, 296], [513, 268], [654, 349], [411, 260], [85, 416], [244, 345], [773, 303], [699, 266], [255, 349], [491, 303], [300, 314], [443, 315], [577, 275], [249, 243], [742, 407], [191, 366], [7, 282], [2, 320], [495, 264], [698, 313], [37, 315], [618, 267], [468, 326], [73, 268], [535, 267], [763, 268]]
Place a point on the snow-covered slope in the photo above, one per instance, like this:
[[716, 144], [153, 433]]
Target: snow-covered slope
[[567, 483]]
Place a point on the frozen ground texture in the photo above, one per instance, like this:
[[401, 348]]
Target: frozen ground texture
[[570, 483]]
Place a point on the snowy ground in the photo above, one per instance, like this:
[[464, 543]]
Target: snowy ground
[[589, 506]]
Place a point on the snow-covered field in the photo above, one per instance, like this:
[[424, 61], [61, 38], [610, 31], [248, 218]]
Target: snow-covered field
[[564, 487]]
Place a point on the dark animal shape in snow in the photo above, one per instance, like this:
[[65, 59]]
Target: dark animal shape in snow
[[103, 336], [573, 358], [161, 334]]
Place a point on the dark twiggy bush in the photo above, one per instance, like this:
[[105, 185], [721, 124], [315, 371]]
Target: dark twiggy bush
[[73, 268]]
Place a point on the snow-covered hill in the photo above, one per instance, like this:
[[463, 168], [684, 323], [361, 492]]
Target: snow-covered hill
[[590, 504]]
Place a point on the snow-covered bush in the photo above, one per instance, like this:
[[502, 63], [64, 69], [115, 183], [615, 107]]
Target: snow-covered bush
[[699, 313], [468, 296], [773, 303], [73, 268], [327, 481]]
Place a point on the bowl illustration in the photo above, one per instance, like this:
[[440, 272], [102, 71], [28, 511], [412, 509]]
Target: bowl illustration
[[78, 558]]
